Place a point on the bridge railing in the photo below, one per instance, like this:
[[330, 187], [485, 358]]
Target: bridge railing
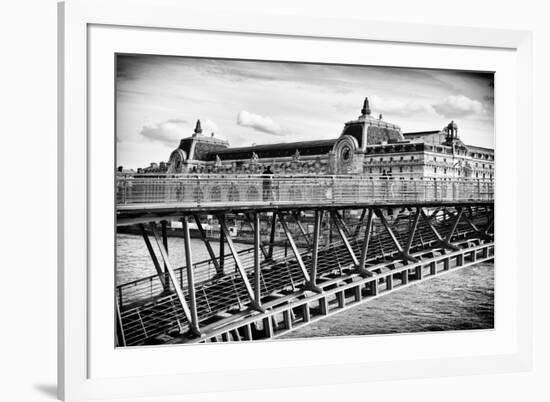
[[199, 190]]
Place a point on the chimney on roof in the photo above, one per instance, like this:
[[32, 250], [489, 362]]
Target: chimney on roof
[[366, 109]]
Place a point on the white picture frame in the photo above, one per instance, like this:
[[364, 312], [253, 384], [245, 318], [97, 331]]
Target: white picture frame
[[79, 377]]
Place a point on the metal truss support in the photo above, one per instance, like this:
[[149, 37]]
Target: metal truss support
[[412, 232], [173, 278], [342, 222], [272, 235], [250, 220], [489, 225], [440, 238], [257, 268], [222, 244], [453, 229], [239, 265], [163, 225], [341, 232], [296, 215], [404, 255], [365, 247], [430, 224], [297, 255], [360, 223], [154, 258], [190, 273], [469, 220], [219, 272], [315, 249]]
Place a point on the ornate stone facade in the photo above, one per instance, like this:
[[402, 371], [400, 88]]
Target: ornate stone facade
[[368, 146]]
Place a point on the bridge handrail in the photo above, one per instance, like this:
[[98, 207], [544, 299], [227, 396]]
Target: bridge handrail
[[204, 189]]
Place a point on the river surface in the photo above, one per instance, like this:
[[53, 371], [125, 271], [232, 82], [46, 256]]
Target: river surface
[[459, 300]]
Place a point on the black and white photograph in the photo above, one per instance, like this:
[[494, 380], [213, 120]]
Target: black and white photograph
[[267, 200]]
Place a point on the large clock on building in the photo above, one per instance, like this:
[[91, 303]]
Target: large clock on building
[[345, 149]]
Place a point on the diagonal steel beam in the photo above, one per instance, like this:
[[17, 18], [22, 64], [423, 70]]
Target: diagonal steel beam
[[219, 272], [469, 220], [173, 278], [398, 246], [489, 225], [272, 235], [297, 255], [190, 272], [296, 215], [412, 231], [455, 224], [337, 219], [360, 223], [430, 224], [154, 258], [163, 225], [257, 268], [239, 265], [222, 244], [365, 246], [315, 249], [440, 238], [250, 221], [342, 222]]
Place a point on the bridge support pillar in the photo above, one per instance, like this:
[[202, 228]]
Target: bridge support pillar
[[373, 287], [433, 268], [341, 299], [287, 319], [323, 306], [389, 282], [405, 277], [418, 274], [268, 327]]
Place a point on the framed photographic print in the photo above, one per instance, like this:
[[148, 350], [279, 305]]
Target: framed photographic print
[[256, 201]]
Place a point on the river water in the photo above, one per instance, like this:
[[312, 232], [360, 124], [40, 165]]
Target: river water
[[459, 300]]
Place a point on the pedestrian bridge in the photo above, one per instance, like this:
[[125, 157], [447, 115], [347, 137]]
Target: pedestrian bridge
[[156, 195], [344, 240]]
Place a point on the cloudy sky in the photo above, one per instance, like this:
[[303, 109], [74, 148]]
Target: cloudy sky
[[159, 99]]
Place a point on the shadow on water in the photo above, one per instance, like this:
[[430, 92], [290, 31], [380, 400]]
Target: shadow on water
[[47, 389]]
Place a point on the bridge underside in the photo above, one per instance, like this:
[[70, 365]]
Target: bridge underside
[[330, 258]]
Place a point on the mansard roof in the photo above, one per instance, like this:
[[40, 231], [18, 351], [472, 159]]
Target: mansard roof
[[278, 150]]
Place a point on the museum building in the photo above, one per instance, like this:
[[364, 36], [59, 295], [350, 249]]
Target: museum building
[[367, 146]]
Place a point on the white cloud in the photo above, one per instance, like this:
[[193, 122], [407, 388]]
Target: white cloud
[[168, 132], [458, 106], [395, 107], [264, 124]]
